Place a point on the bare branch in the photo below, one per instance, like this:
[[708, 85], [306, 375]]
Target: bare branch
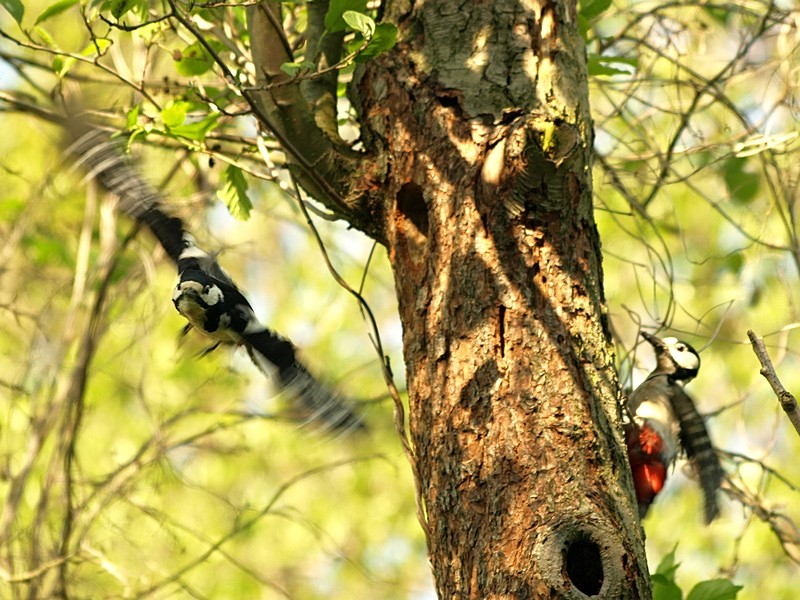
[[787, 400], [783, 527]]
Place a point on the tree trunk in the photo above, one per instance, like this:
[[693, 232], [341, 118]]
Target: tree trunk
[[481, 117]]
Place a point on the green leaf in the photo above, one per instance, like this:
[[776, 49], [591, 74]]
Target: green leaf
[[132, 118], [234, 193], [197, 130], [714, 589], [174, 116], [583, 27], [55, 9], [48, 251], [116, 7], [663, 580], [66, 64], [62, 64], [734, 262], [96, 47], [11, 208], [668, 566], [293, 68], [174, 113], [195, 60], [46, 37], [592, 8], [135, 132], [337, 8], [15, 8], [720, 15], [742, 185], [383, 39], [602, 65], [119, 8], [360, 22], [665, 588]]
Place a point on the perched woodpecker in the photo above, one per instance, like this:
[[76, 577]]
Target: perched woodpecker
[[665, 421], [205, 294]]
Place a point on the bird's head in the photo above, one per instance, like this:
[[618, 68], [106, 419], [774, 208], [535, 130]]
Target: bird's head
[[676, 358]]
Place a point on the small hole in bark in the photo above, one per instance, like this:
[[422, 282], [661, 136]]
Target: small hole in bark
[[448, 101], [585, 566], [411, 204]]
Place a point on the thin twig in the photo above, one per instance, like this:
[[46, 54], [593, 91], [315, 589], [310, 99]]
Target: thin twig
[[787, 400], [784, 528], [399, 412], [33, 573]]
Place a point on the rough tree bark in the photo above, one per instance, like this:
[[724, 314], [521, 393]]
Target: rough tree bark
[[477, 179]]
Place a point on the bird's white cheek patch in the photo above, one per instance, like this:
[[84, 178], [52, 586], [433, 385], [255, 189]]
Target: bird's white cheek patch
[[186, 286], [685, 360]]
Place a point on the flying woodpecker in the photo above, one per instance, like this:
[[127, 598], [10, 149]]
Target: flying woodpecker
[[205, 294], [665, 421]]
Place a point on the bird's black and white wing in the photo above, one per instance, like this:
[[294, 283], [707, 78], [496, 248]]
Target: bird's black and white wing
[[699, 450], [205, 294]]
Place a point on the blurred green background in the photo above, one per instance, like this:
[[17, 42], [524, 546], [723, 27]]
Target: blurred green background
[[183, 477]]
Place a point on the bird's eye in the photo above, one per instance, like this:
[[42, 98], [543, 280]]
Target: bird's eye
[[681, 347]]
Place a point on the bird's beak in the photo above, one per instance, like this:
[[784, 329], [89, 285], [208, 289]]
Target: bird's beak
[[656, 342]]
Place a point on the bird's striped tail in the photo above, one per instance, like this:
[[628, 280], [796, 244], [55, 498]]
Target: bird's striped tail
[[700, 452]]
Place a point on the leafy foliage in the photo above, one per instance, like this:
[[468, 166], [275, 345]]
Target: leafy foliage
[[15, 8], [372, 39], [335, 17], [185, 476], [666, 588]]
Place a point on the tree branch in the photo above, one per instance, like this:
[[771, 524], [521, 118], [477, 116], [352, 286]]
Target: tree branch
[[784, 528], [324, 49], [324, 167], [787, 400]]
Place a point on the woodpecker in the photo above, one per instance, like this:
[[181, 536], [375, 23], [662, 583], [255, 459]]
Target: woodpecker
[[665, 421], [205, 294], [214, 306]]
